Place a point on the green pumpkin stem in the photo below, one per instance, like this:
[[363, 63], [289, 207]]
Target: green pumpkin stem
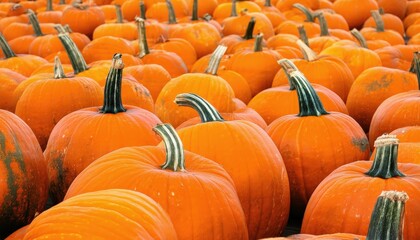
[[385, 162], [112, 92], [119, 14], [359, 37], [205, 110], [144, 47], [308, 14], [288, 67], [381, 11], [380, 26], [309, 102], [308, 53], [258, 44], [175, 159], [59, 28], [302, 35], [171, 12], [35, 23], [215, 59], [76, 58], [194, 14], [250, 29], [49, 6], [323, 24], [142, 10], [387, 219], [5, 47], [267, 3], [58, 69], [415, 66], [233, 11]]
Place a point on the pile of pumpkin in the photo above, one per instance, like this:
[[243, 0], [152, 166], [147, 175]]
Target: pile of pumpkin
[[209, 119]]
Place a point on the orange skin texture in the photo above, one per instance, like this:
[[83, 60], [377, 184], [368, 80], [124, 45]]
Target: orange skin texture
[[357, 58], [103, 48], [392, 57], [203, 6], [411, 19], [88, 128], [348, 196], [83, 20], [159, 10], [23, 174], [239, 24], [9, 82], [126, 30], [355, 11], [389, 35], [135, 94], [291, 27], [24, 64], [263, 187], [42, 104], [284, 5], [335, 236], [374, 86], [169, 60], [210, 87], [224, 9], [89, 215], [331, 72], [395, 7], [312, 147], [203, 197], [391, 22], [286, 102], [18, 234], [238, 83], [397, 111]]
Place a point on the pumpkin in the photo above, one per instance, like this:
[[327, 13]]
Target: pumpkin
[[10, 80], [302, 140], [18, 234], [390, 21], [380, 32], [395, 7], [355, 11], [43, 103], [21, 44], [23, 174], [195, 191], [233, 8], [102, 48], [89, 127], [351, 190], [51, 13], [233, 42], [258, 172], [113, 213]]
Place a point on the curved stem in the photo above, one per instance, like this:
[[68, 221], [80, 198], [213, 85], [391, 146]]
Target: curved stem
[[49, 6], [175, 158], [194, 15], [76, 58], [323, 24], [112, 92], [415, 66], [308, 14], [359, 37], [258, 45], [144, 47], [385, 162], [267, 3], [250, 29], [302, 35], [67, 28], [308, 53], [381, 11], [205, 110], [233, 11], [5, 47], [59, 28], [35, 23], [380, 26], [58, 69], [142, 10], [288, 67], [119, 14], [171, 12], [62, 2], [215, 59], [387, 218]]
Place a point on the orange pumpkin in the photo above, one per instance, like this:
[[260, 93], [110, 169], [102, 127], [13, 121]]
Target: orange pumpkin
[[355, 11], [9, 82]]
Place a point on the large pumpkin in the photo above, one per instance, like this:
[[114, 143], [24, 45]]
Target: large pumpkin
[[23, 174], [197, 193], [314, 142]]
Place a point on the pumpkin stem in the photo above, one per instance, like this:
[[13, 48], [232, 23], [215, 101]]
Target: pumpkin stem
[[119, 14], [415, 66], [267, 3], [59, 28], [381, 11], [308, 53], [302, 35], [359, 37], [233, 11], [207, 17], [62, 2], [35, 23], [144, 47], [250, 29], [49, 6], [58, 69], [175, 159], [194, 15], [67, 28], [205, 110], [112, 92], [385, 162], [76, 58], [308, 14], [215, 59], [171, 12], [258, 45], [142, 10], [387, 218], [5, 47], [380, 26], [288, 67], [323, 24]]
